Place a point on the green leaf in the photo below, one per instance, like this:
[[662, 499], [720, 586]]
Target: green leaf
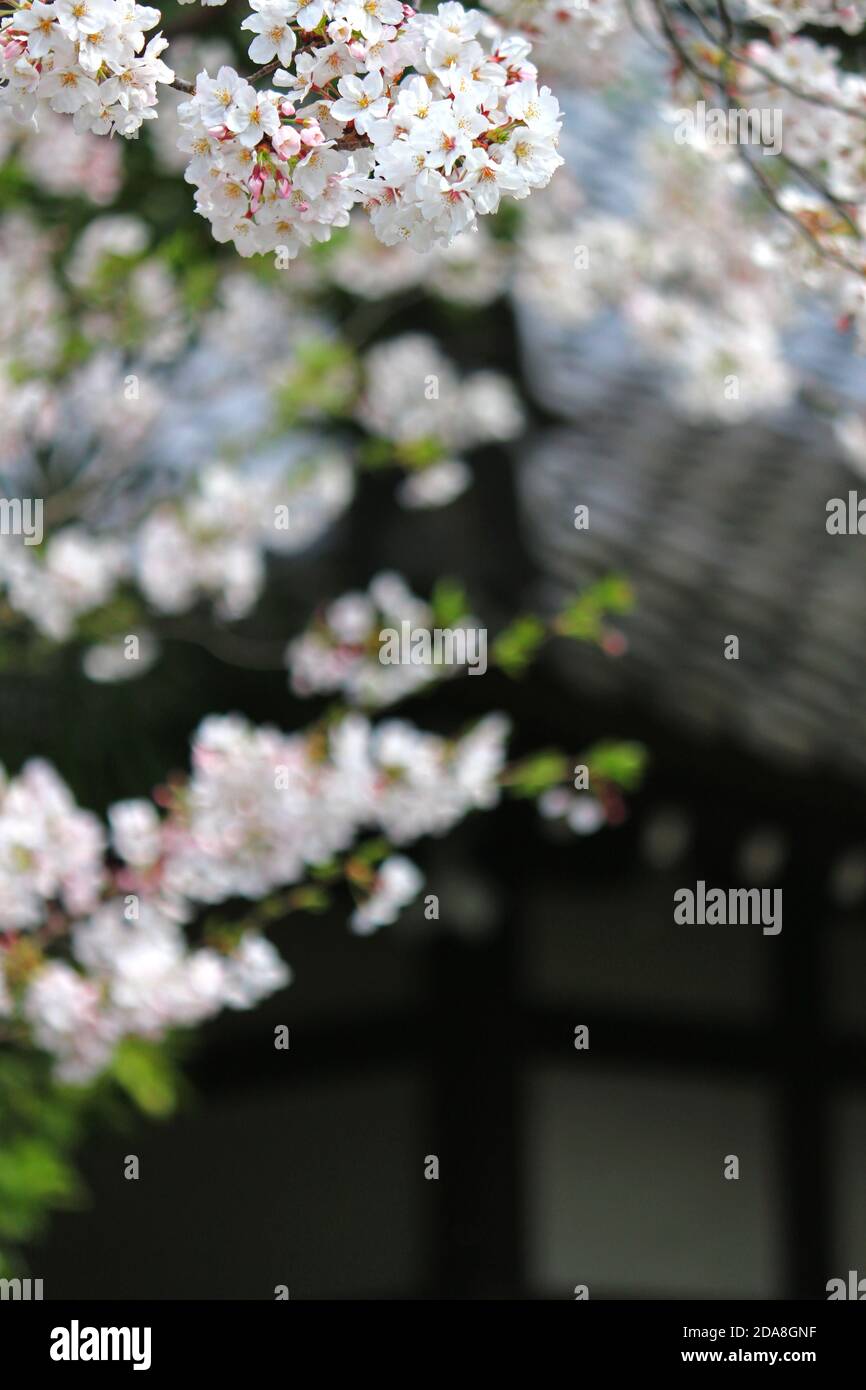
[[448, 602], [376, 453], [312, 897], [145, 1073], [323, 381], [418, 454], [34, 1177], [516, 646], [122, 615], [537, 773], [584, 617], [327, 872], [617, 761], [372, 851]]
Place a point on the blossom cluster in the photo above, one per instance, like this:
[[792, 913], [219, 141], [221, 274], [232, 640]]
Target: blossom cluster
[[791, 15], [212, 543], [693, 272], [198, 533], [822, 110], [114, 297], [229, 483], [76, 573], [126, 295], [85, 58], [413, 397], [61, 162], [209, 545], [582, 41], [103, 953], [137, 980], [49, 849], [340, 652], [261, 806], [805, 94], [30, 339], [409, 114]]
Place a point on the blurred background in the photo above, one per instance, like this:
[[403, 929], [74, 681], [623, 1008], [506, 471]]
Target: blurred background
[[558, 1167]]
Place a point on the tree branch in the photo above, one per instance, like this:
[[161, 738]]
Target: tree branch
[[315, 41], [715, 80]]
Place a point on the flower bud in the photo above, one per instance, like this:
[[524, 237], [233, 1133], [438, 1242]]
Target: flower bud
[[286, 142]]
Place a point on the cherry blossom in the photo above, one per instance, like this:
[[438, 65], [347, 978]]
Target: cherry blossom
[[341, 650], [425, 153], [84, 58], [397, 883], [259, 808]]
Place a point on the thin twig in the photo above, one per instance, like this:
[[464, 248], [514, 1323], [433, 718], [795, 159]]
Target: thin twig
[[315, 41], [765, 185], [265, 71], [787, 86], [724, 16], [814, 182], [639, 27], [770, 193]]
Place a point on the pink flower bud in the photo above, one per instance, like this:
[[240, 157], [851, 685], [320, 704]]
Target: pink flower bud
[[286, 142], [256, 186], [614, 643], [284, 188], [286, 107], [312, 135]]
